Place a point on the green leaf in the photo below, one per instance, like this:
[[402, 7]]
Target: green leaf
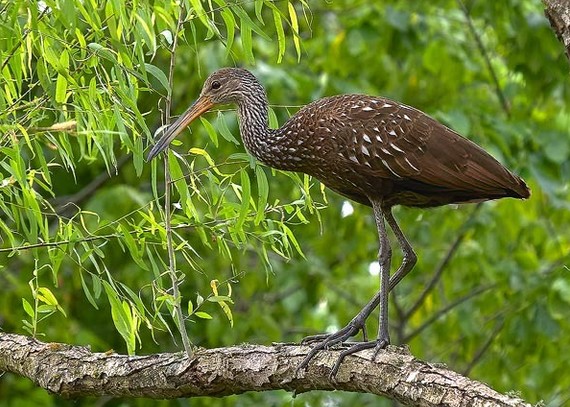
[[159, 75], [60, 88], [248, 22], [224, 130], [132, 245], [122, 319], [87, 291], [46, 296], [103, 52], [203, 315], [246, 42], [245, 196], [262, 193], [179, 181], [220, 298], [292, 239], [280, 35], [295, 27], [28, 308], [201, 14], [210, 130], [46, 309], [230, 23]]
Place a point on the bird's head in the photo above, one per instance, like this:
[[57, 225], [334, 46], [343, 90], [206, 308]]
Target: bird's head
[[226, 85]]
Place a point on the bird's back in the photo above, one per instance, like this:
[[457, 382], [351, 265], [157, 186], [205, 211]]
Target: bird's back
[[369, 147]]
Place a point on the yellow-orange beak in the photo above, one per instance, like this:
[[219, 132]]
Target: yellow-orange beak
[[203, 104]]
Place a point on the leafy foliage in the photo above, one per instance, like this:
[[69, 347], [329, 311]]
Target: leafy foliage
[[265, 255]]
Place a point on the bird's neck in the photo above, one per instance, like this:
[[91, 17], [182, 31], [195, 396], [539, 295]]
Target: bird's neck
[[263, 143], [254, 124]]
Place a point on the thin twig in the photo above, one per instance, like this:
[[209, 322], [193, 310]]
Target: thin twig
[[481, 351], [63, 203], [500, 94], [443, 264], [179, 317], [445, 310]]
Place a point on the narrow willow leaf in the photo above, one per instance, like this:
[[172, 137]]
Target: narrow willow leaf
[[209, 160], [246, 42], [219, 298], [136, 300], [258, 8], [262, 194], [147, 33], [295, 27], [245, 19], [46, 309], [210, 130], [227, 310], [64, 61], [230, 23], [129, 240], [138, 156], [280, 35], [201, 14], [103, 52], [159, 75], [60, 88], [121, 319], [28, 307], [203, 315], [133, 324], [245, 196], [177, 177], [83, 44], [7, 233], [292, 239], [87, 292], [224, 130], [46, 296]]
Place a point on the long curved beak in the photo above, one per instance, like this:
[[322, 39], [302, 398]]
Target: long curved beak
[[201, 105]]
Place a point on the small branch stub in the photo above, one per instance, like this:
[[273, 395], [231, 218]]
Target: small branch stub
[[75, 371]]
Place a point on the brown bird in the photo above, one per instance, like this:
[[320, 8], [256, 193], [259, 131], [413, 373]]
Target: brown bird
[[373, 150]]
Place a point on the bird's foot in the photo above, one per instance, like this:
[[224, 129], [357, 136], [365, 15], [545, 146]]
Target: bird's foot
[[326, 341], [378, 345]]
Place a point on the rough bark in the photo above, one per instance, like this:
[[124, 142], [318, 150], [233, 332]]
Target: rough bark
[[75, 371], [558, 13]]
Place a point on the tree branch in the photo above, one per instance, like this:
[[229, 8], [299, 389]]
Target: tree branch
[[75, 371], [558, 13]]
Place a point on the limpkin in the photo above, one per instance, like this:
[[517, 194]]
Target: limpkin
[[372, 150]]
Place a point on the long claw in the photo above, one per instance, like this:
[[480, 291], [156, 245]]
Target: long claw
[[326, 341], [378, 345]]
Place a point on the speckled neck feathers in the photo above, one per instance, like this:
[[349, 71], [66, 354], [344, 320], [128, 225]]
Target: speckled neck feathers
[[270, 146]]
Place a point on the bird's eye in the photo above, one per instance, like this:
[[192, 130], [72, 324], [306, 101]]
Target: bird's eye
[[216, 85]]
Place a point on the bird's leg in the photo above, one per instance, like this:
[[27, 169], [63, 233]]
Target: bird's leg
[[381, 212], [384, 260], [410, 258], [384, 257], [358, 322]]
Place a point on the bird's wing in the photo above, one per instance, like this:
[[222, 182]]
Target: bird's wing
[[390, 140]]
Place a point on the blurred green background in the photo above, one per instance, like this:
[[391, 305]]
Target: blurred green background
[[490, 294]]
